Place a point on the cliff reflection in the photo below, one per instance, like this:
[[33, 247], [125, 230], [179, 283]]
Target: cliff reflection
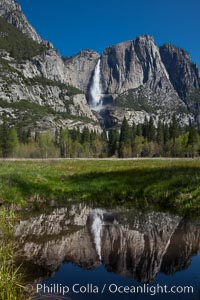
[[130, 243]]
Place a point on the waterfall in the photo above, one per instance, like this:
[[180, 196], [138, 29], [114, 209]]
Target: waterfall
[[96, 89], [96, 228]]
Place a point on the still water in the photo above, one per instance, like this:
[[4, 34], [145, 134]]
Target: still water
[[80, 252]]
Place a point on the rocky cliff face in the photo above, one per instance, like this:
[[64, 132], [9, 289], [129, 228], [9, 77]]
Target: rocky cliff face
[[140, 73], [185, 243], [26, 80], [135, 247], [37, 73], [183, 74], [138, 79], [80, 68], [11, 11], [49, 239], [130, 243], [131, 64]]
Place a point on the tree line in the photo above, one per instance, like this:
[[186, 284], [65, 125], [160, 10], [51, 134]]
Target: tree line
[[141, 140]]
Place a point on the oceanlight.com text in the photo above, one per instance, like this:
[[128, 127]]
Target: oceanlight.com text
[[59, 289]]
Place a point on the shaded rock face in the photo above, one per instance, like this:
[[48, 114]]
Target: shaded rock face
[[185, 243], [183, 73], [131, 64], [134, 64], [11, 11], [130, 243], [184, 76], [137, 250]]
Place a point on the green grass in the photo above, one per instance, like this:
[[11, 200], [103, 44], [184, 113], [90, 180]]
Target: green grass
[[10, 275], [160, 184]]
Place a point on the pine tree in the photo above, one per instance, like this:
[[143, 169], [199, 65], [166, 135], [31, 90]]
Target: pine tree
[[192, 139], [4, 131], [174, 128], [8, 140], [133, 136], [166, 138], [174, 131], [75, 135], [85, 136], [104, 144], [113, 138], [13, 141], [151, 130], [145, 128], [133, 130], [65, 143], [160, 136], [139, 130], [125, 140]]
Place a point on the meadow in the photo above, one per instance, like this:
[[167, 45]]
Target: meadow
[[11, 278], [31, 185], [167, 185]]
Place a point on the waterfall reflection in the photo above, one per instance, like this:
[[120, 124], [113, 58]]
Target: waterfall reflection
[[130, 243]]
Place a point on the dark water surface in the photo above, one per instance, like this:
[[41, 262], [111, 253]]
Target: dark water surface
[[88, 253]]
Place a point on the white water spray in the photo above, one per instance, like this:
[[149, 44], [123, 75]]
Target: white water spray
[[97, 226], [96, 89]]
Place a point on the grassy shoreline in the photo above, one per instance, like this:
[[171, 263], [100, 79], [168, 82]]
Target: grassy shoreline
[[11, 287], [164, 184]]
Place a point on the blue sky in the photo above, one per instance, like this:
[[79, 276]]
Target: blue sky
[[73, 25]]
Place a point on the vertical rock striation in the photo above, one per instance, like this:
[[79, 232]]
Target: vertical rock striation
[[183, 73], [138, 79]]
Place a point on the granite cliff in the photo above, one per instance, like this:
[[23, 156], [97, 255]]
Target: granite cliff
[[134, 244], [136, 79], [140, 79], [11, 11], [33, 71]]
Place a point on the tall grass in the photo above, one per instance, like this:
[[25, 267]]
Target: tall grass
[[168, 185], [10, 276]]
